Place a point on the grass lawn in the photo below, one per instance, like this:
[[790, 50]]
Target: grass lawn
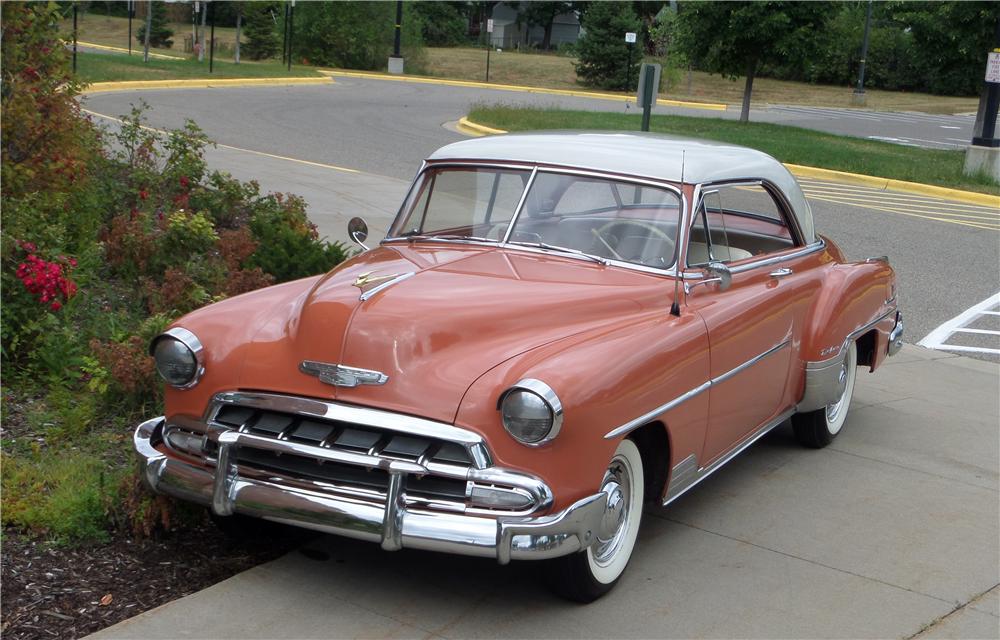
[[100, 67], [557, 72], [788, 144], [113, 32]]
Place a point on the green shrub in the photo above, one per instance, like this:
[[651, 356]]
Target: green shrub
[[603, 53], [355, 35], [159, 33], [288, 244]]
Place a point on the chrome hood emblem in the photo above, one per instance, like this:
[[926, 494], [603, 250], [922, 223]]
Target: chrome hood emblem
[[340, 376], [372, 284]]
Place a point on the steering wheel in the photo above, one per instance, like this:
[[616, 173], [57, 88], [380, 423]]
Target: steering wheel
[[602, 235]]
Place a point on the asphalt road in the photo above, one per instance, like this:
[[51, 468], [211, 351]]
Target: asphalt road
[[945, 253]]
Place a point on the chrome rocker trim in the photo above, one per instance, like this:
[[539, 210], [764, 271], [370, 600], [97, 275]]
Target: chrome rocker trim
[[392, 523]]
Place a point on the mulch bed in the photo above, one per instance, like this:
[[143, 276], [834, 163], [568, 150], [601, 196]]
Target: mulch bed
[[57, 592]]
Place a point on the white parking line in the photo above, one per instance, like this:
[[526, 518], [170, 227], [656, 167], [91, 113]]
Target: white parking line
[[937, 339]]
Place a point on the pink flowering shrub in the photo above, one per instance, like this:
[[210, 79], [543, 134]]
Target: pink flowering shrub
[[49, 282]]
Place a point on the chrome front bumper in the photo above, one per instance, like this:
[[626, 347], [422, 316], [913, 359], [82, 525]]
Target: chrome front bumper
[[391, 524]]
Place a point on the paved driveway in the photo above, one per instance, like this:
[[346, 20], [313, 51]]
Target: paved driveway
[[890, 532]]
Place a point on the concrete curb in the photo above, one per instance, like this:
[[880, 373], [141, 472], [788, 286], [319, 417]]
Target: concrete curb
[[104, 47], [201, 83], [468, 127], [712, 106]]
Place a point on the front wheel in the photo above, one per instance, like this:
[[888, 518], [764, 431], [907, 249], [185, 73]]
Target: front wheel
[[587, 575], [816, 429]]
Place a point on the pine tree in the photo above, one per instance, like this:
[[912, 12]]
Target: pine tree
[[603, 54], [259, 27], [159, 34]]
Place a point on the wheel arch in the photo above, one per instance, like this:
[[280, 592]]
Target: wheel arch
[[653, 441]]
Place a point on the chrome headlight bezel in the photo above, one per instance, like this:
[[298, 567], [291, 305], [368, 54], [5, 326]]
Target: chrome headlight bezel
[[547, 396], [193, 345]]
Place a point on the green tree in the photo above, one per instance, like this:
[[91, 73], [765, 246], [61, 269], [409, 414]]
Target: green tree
[[544, 15], [354, 35], [159, 33], [734, 38], [442, 23], [603, 54], [950, 42], [259, 27]]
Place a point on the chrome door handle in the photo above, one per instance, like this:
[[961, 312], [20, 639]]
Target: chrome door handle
[[780, 273]]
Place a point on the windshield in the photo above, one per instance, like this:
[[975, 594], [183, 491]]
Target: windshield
[[611, 220]]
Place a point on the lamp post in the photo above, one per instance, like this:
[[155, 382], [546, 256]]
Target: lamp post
[[859, 91], [630, 41], [74, 37], [396, 59], [211, 37], [291, 32], [983, 155]]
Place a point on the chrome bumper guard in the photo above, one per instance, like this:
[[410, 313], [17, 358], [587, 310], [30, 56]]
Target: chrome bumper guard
[[896, 335], [392, 525]]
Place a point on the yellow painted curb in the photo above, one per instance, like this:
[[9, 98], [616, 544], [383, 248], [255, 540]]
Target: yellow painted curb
[[201, 83], [104, 47], [471, 128], [917, 188], [522, 89]]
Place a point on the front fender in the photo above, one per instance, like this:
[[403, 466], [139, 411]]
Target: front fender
[[604, 379]]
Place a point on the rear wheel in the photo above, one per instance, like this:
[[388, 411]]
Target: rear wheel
[[587, 575], [816, 429]]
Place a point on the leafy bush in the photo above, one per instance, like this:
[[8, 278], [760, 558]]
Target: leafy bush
[[354, 35], [260, 31], [159, 33], [103, 245], [603, 53]]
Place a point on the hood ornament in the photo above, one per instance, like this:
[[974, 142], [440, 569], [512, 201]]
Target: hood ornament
[[340, 376], [371, 284]]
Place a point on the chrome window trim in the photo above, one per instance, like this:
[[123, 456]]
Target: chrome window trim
[[519, 207], [687, 395], [377, 418], [189, 340], [788, 213], [546, 393]]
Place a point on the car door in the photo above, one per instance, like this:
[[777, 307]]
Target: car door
[[755, 323]]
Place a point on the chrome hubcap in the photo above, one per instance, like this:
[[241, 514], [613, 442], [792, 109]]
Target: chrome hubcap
[[617, 486]]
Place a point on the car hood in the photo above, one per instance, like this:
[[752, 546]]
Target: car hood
[[463, 310]]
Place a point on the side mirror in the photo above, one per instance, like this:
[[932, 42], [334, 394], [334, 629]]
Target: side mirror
[[718, 270], [357, 229]]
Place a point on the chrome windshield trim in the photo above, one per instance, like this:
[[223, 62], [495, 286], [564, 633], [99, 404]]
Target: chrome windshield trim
[[520, 206], [684, 397], [377, 418], [670, 270]]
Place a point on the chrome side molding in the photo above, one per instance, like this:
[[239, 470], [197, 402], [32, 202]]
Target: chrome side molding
[[686, 473]]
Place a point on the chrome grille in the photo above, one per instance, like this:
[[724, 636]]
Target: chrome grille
[[357, 452]]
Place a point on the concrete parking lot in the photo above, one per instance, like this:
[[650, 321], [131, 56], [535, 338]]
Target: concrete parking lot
[[892, 531]]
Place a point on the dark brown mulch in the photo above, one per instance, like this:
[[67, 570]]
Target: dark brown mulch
[[53, 592]]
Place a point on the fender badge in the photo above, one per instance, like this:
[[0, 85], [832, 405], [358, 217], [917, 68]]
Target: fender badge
[[340, 376]]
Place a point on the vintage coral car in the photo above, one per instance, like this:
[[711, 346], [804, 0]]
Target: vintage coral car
[[557, 329]]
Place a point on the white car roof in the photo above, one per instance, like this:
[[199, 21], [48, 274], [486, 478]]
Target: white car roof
[[647, 155]]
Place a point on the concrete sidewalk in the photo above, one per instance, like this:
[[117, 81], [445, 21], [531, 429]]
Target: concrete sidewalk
[[892, 531]]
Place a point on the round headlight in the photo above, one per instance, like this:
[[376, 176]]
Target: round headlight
[[531, 412], [177, 355]]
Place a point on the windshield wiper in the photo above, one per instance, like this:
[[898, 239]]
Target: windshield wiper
[[552, 247], [442, 238]]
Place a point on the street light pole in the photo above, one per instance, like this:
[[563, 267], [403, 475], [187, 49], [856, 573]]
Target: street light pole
[[399, 28], [211, 37], [859, 91], [74, 37], [291, 32], [284, 37], [131, 12]]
